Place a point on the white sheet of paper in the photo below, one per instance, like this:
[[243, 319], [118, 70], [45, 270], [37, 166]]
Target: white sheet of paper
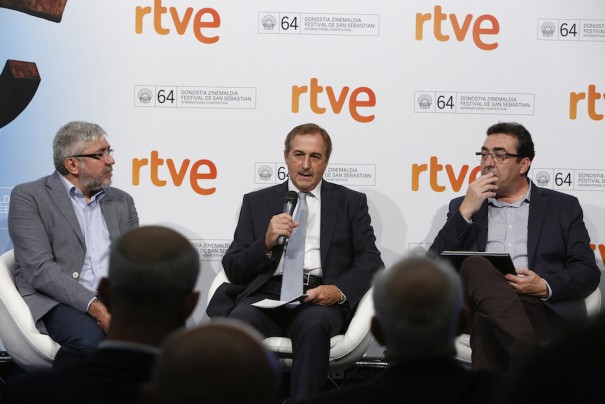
[[272, 304]]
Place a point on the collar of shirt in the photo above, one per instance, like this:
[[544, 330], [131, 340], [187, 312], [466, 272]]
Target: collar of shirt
[[73, 191], [316, 192], [499, 204]]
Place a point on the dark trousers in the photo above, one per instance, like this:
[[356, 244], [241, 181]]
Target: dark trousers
[[504, 324], [76, 332], [310, 328]]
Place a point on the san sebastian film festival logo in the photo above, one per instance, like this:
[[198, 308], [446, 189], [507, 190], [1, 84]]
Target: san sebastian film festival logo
[[303, 23], [571, 29], [265, 173], [463, 102], [345, 174], [145, 95], [4, 205], [548, 29], [542, 178], [424, 101], [211, 250], [570, 179], [269, 22]]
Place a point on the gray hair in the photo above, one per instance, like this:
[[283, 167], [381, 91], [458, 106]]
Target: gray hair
[[71, 139], [152, 268], [418, 304], [308, 129]]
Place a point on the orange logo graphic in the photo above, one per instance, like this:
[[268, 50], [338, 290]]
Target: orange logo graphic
[[201, 170], [591, 103], [456, 179], [484, 25], [601, 249], [362, 97], [180, 22]]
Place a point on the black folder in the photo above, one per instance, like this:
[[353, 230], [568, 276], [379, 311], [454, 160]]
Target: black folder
[[502, 261]]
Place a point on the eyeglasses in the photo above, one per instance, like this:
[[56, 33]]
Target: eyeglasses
[[97, 156], [499, 156]]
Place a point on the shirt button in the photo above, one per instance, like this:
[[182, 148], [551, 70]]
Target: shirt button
[[75, 275]]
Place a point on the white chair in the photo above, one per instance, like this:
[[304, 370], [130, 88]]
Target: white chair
[[345, 349], [463, 342], [24, 343]]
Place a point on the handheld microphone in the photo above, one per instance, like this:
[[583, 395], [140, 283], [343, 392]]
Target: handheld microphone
[[290, 202]]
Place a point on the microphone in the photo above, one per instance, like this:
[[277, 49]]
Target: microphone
[[289, 204]]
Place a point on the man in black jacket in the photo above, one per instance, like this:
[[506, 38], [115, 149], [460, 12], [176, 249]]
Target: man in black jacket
[[544, 233]]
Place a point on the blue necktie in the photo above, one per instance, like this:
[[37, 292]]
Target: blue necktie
[[292, 281]]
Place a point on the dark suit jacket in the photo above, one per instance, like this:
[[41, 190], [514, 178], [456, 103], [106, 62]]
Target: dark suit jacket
[[49, 245], [109, 375], [558, 246], [349, 256], [431, 380]]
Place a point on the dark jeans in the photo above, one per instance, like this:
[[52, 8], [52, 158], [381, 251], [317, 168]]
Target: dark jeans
[[76, 332]]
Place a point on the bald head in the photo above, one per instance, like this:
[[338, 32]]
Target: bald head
[[418, 304], [224, 361]]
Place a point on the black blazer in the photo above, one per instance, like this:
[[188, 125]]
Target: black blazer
[[349, 256], [557, 246]]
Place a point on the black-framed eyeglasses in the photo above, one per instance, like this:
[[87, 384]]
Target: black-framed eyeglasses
[[98, 156], [499, 156]]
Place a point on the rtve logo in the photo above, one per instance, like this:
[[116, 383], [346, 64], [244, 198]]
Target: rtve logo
[[591, 103], [455, 179], [201, 170], [359, 98], [180, 22], [601, 249], [460, 29]]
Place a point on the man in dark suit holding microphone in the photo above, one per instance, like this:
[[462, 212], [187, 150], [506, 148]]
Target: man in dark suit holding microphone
[[330, 256]]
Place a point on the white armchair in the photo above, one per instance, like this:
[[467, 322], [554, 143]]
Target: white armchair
[[345, 349], [24, 343]]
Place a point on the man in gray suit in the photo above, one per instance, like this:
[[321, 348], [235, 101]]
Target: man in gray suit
[[61, 227]]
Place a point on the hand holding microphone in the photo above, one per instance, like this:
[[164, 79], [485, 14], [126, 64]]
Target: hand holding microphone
[[281, 226]]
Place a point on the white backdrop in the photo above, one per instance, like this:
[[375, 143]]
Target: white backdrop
[[198, 97]]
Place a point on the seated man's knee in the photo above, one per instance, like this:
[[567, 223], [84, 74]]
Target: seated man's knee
[[91, 337], [88, 340], [473, 267], [250, 315], [318, 320]]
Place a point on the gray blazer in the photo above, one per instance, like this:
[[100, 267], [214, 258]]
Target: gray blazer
[[49, 245]]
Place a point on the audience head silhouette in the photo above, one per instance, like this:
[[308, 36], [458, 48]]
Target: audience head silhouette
[[419, 308], [149, 289], [221, 362]]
